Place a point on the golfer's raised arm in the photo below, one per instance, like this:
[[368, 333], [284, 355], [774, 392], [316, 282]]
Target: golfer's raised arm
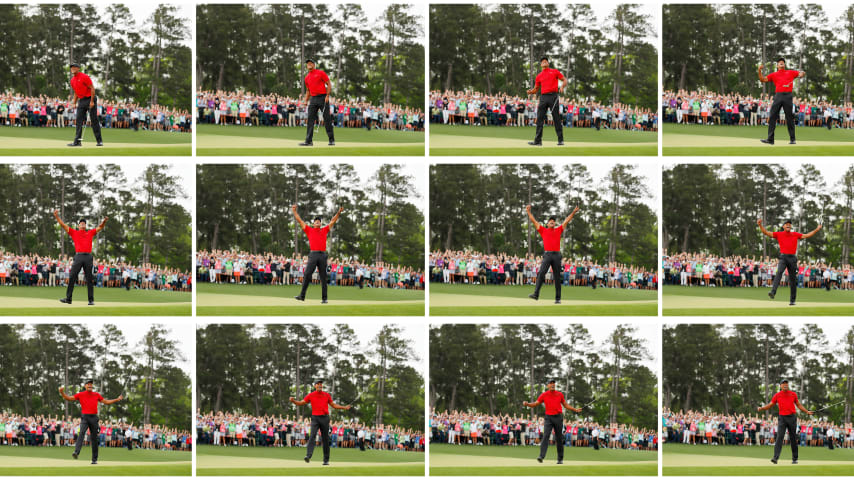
[[531, 218], [335, 218], [338, 407], [101, 225], [532, 404], [808, 235], [297, 217], [762, 77], [110, 402], [568, 407], [801, 407], [61, 223], [762, 228], [296, 402], [569, 218], [765, 407], [66, 397]]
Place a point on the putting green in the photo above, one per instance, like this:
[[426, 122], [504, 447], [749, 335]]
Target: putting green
[[43, 143], [781, 146], [231, 300], [228, 461], [686, 301], [12, 461], [229, 141], [455, 300], [450, 460], [461, 141], [688, 460]]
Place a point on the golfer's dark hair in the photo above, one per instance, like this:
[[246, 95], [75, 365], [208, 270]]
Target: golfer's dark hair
[[546, 58], [552, 219], [317, 219], [781, 59], [82, 220]]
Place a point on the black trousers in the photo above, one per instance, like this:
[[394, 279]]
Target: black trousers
[[316, 260], [552, 422], [319, 422], [88, 421], [781, 100], [84, 261], [316, 103], [787, 423], [550, 260], [790, 263], [84, 106], [548, 101]]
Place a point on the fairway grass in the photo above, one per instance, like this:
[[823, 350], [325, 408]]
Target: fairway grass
[[498, 300], [264, 300], [469, 460], [44, 301], [57, 461], [705, 301], [219, 140], [259, 461], [694, 460], [699, 140], [503, 141], [117, 142]]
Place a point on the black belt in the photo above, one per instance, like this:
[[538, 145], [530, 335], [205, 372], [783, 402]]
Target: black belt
[[319, 95], [317, 251], [83, 253], [552, 251]]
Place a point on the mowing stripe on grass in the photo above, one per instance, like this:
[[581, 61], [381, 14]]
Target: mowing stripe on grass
[[767, 471], [461, 141], [711, 140], [687, 302], [83, 304], [688, 460], [228, 461], [462, 300], [231, 300], [10, 461], [42, 143], [230, 141], [450, 460]]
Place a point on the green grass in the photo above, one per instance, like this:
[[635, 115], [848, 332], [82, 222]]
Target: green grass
[[691, 460], [57, 461], [117, 142], [222, 140], [259, 461], [715, 140], [465, 140], [499, 300], [44, 301], [262, 300], [468, 460], [704, 301]]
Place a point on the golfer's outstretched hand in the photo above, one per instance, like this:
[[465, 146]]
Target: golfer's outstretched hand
[[291, 399], [759, 221], [340, 210], [61, 389], [761, 67], [528, 209], [810, 412], [121, 397], [294, 208], [347, 407]]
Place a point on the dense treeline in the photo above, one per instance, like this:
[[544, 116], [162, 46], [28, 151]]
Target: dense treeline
[[482, 208], [714, 208], [130, 59], [496, 48], [263, 48], [38, 359], [494, 368], [146, 223], [719, 46], [255, 368], [248, 208], [733, 369]]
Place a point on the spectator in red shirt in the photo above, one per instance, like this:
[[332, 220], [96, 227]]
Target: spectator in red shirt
[[786, 401], [555, 402], [320, 402], [317, 256], [552, 256], [788, 241], [84, 98], [550, 82], [317, 87], [82, 257], [783, 80], [89, 400]]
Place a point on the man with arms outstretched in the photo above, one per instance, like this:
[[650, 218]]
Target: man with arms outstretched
[[320, 402], [555, 403], [89, 400], [86, 102], [783, 81], [551, 257], [317, 87], [82, 256], [550, 83], [786, 401], [788, 241], [317, 257]]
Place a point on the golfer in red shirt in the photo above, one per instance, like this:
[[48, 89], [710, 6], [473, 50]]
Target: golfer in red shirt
[[317, 87], [550, 82], [555, 402], [786, 401], [788, 241], [783, 80], [89, 400], [84, 98], [317, 256], [320, 402], [551, 257], [82, 257]]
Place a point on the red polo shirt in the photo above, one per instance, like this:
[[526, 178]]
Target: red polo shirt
[[785, 401], [315, 81], [81, 83], [788, 241], [547, 80], [551, 237], [88, 402], [783, 79], [82, 239], [553, 400], [316, 237], [320, 402]]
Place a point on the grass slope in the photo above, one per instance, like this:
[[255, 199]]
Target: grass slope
[[468, 460], [258, 461], [492, 300], [690, 460], [715, 140], [246, 300], [702, 301], [44, 301], [117, 142], [53, 461]]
